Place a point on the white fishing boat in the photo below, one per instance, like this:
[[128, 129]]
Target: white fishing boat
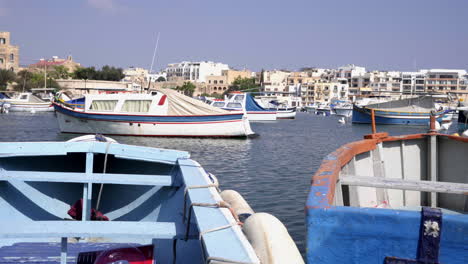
[[162, 113], [26, 102]]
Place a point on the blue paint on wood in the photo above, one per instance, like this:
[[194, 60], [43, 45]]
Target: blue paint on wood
[[368, 235]]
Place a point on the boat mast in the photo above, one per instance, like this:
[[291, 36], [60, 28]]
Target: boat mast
[[152, 61]]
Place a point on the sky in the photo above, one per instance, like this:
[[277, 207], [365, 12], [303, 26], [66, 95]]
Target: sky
[[254, 34]]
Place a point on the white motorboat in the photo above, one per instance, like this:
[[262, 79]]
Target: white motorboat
[[27, 102], [163, 113]]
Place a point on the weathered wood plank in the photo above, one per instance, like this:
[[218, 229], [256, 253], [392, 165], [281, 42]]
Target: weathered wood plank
[[390, 183]]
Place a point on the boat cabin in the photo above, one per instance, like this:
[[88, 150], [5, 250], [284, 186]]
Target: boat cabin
[[154, 104]]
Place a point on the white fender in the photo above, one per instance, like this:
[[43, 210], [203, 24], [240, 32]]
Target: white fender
[[465, 133], [238, 204], [91, 138], [271, 240]]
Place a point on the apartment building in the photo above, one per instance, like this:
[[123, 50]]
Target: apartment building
[[9, 54], [413, 82], [385, 81], [274, 81], [445, 80], [357, 77], [327, 91], [194, 71]]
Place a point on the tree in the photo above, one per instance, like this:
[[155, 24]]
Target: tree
[[27, 80], [107, 73], [161, 79], [187, 88], [243, 84], [59, 72], [6, 76]]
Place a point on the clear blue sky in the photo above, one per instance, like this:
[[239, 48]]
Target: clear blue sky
[[270, 34]]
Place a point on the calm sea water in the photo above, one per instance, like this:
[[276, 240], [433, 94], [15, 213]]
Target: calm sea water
[[272, 172]]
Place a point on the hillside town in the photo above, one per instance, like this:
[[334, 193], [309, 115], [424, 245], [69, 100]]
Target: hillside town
[[298, 87]]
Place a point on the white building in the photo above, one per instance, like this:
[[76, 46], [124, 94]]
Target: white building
[[445, 80], [385, 81], [356, 76], [194, 71], [134, 73], [413, 82]]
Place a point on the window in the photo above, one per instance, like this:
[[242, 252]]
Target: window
[[136, 106], [2, 41], [218, 104], [220, 81], [1, 61], [103, 105], [12, 57], [23, 97], [239, 98], [209, 81], [234, 105], [215, 82]]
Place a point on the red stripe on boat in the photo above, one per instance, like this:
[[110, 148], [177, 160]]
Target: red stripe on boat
[[162, 100]]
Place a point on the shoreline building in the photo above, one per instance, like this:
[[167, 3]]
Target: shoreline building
[[446, 80], [9, 54], [194, 71], [49, 64], [413, 82], [218, 84]]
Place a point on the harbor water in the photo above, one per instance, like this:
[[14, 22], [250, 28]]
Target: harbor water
[[272, 171]]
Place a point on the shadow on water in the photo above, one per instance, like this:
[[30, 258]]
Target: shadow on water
[[272, 171]]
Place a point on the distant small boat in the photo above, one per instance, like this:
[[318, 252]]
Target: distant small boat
[[103, 202], [412, 111], [244, 102], [26, 102], [164, 113], [343, 109], [271, 103], [390, 200]]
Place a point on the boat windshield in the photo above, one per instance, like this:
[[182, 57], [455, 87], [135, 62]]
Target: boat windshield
[[139, 106], [234, 105], [239, 98], [103, 105], [218, 104]]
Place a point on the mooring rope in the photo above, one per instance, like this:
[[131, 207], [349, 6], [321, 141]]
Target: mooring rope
[[103, 172]]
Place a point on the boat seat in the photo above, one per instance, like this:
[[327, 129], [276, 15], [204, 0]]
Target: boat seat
[[76, 177], [86, 229]]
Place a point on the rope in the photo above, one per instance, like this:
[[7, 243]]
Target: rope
[[103, 172], [194, 187], [221, 204]]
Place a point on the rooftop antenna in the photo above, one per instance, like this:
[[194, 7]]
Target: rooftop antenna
[[154, 53]]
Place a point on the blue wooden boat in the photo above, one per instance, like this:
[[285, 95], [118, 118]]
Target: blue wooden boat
[[411, 111], [103, 202], [391, 200]]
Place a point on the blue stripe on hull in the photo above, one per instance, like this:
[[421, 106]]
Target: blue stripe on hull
[[143, 118], [364, 118], [368, 235]]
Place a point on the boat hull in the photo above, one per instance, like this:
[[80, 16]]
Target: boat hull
[[347, 112], [333, 235], [212, 126], [30, 107], [261, 115], [363, 116]]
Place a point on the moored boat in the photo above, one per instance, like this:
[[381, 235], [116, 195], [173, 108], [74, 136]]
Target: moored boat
[[390, 200], [163, 113], [411, 111], [103, 202], [244, 102], [27, 102]]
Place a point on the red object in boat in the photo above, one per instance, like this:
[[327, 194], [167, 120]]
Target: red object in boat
[[76, 212], [131, 255]]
